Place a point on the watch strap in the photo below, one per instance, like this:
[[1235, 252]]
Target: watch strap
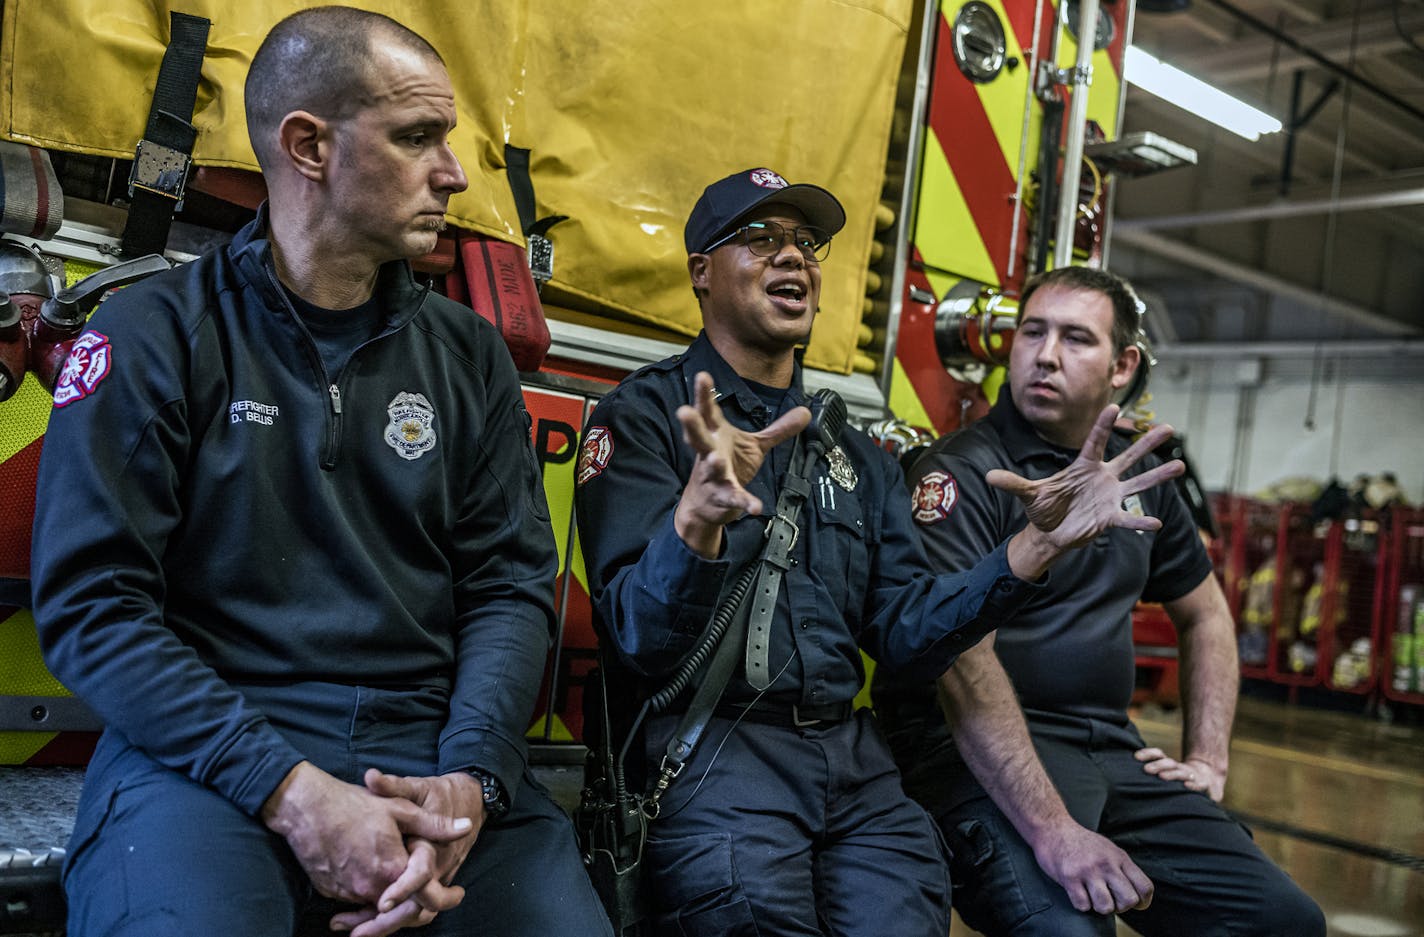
[[495, 798]]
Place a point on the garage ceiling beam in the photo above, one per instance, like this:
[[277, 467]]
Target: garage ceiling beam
[[1277, 209], [1383, 37], [1248, 59], [1330, 349], [1202, 260]]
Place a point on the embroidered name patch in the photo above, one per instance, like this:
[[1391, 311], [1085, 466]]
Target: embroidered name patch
[[935, 496], [596, 453], [411, 431], [252, 411], [88, 363]]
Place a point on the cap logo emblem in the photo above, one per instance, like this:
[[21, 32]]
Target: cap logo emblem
[[767, 179]]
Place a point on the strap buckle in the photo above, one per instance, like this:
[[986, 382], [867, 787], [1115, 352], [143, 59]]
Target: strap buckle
[[671, 767], [667, 771], [541, 258], [800, 723], [781, 528], [161, 170]]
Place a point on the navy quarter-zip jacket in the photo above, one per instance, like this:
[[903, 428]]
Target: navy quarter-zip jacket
[[215, 510]]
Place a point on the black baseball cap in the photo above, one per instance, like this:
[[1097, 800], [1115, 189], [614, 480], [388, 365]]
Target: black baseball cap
[[727, 201]]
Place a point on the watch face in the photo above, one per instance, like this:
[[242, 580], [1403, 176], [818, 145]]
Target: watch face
[[493, 794]]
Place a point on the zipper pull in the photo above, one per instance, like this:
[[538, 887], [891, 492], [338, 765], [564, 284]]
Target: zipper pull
[[335, 393]]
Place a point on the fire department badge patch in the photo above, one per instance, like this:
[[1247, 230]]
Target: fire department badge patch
[[597, 451], [411, 431], [88, 364], [842, 472], [768, 179], [935, 496]]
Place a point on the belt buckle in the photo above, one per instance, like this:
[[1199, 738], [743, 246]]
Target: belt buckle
[[779, 525], [798, 722], [161, 170]]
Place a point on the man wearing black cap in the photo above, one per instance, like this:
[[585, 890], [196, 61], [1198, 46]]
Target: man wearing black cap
[[788, 817]]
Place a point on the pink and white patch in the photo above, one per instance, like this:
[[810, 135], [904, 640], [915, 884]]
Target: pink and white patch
[[767, 179], [88, 364], [935, 497], [596, 453]]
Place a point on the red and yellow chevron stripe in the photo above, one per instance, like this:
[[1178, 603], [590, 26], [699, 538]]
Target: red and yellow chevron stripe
[[966, 224]]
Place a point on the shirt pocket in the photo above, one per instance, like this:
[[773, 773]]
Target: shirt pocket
[[838, 545]]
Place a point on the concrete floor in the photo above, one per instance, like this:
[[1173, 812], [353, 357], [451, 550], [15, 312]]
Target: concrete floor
[[1336, 798]]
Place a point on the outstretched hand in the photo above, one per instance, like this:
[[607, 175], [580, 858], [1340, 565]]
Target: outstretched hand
[[1074, 506], [727, 458]]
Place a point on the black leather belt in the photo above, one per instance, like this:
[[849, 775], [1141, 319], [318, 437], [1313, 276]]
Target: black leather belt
[[777, 713]]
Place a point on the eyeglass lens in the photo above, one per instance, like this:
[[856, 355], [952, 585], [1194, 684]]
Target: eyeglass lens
[[766, 238]]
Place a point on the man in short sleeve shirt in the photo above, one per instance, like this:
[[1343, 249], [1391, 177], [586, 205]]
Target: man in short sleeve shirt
[[1057, 813]]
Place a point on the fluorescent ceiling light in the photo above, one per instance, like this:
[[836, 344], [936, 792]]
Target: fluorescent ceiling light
[[1192, 94]]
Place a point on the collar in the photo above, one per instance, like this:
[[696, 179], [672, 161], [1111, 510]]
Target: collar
[[1019, 437], [1022, 441], [251, 250], [729, 385]]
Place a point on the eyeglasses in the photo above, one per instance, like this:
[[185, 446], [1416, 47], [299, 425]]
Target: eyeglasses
[[767, 238]]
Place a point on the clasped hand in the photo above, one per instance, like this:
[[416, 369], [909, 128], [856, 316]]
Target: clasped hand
[[391, 847]]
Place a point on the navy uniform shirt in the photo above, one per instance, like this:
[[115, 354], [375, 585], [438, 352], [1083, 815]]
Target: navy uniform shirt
[[225, 512], [859, 579], [1069, 649]]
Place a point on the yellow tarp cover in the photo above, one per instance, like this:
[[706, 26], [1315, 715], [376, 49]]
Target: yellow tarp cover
[[629, 109]]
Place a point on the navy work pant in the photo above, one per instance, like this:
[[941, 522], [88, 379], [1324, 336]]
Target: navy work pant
[[778, 831], [1210, 879], [155, 854]]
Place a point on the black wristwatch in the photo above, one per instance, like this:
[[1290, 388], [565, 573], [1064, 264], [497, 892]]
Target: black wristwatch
[[496, 802]]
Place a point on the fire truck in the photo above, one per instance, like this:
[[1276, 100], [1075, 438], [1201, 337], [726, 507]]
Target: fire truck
[[973, 142]]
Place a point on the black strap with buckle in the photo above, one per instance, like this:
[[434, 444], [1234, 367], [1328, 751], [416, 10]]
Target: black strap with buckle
[[534, 228], [164, 156]]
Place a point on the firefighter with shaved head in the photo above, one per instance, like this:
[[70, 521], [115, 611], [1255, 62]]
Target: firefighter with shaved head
[[292, 547]]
